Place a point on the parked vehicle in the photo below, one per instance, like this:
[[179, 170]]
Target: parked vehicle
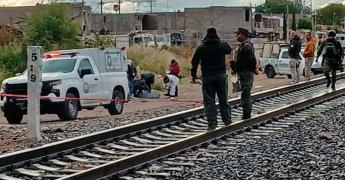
[[341, 39], [142, 39], [87, 77], [276, 58]]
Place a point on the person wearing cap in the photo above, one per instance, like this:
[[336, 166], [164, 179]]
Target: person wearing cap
[[332, 53], [245, 66], [294, 52], [308, 54], [211, 56]]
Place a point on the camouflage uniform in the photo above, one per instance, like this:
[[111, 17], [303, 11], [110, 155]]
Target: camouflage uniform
[[245, 71], [330, 65]]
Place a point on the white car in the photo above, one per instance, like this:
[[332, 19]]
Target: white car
[[278, 63], [86, 77]]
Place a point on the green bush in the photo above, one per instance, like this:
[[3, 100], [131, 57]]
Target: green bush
[[12, 60], [156, 60], [51, 28]]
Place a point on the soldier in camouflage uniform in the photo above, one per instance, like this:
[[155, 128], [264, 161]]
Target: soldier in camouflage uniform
[[211, 56], [332, 53], [244, 66]]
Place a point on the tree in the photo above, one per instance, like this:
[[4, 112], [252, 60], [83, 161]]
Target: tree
[[293, 26], [304, 24], [51, 28], [278, 7], [325, 15]]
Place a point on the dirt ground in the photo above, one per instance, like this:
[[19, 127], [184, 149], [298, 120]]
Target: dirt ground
[[188, 94]]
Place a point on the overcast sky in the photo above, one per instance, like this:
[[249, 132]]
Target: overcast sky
[[160, 5]]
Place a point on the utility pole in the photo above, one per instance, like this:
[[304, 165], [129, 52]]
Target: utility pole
[[101, 6], [168, 6], [287, 20], [313, 16], [83, 19], [151, 4], [120, 6], [167, 16]]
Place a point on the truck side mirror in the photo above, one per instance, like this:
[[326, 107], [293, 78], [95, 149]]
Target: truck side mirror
[[84, 72]]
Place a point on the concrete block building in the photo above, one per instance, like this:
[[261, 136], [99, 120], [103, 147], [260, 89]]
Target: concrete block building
[[193, 21], [15, 16]]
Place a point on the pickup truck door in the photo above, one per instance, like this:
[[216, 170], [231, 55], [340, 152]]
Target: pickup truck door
[[283, 62], [91, 83]]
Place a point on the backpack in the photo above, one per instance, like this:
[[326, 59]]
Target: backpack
[[252, 60], [330, 50]]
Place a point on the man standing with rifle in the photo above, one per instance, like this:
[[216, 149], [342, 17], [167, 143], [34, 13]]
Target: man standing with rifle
[[332, 57]]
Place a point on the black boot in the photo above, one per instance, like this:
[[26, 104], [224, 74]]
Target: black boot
[[333, 87], [246, 117], [211, 127], [328, 84]]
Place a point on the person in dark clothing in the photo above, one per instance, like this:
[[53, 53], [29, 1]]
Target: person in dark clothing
[[319, 40], [294, 52], [139, 87], [245, 66], [131, 74], [333, 54], [211, 56]]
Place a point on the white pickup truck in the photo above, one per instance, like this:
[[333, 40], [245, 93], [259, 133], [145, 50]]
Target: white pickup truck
[[278, 63], [73, 80]]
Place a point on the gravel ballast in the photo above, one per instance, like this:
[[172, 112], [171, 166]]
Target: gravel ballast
[[13, 138], [312, 149]]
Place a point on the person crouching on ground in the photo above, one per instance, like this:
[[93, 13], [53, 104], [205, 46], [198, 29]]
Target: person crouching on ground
[[171, 82], [211, 56], [294, 51], [174, 68], [308, 54], [139, 87]]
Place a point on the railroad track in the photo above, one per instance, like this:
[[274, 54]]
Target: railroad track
[[176, 165], [116, 150]]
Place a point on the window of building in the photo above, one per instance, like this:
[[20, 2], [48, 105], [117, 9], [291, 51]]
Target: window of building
[[247, 15]]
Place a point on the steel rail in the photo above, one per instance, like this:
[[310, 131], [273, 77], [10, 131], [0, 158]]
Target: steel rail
[[52, 150], [196, 140]]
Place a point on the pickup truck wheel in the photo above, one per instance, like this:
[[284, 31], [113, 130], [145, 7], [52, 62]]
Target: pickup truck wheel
[[289, 76], [116, 106], [270, 72], [69, 109], [13, 115]]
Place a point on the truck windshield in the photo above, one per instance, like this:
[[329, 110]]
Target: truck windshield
[[58, 65]]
